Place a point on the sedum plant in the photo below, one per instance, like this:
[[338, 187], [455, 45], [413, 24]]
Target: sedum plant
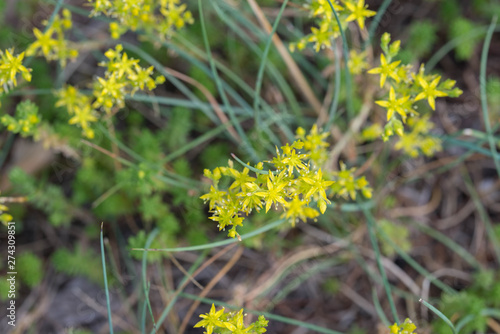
[[223, 322], [298, 180], [295, 183]]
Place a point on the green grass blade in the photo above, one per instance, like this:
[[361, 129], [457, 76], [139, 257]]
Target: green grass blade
[[336, 93], [218, 243], [436, 57], [159, 67], [196, 142], [106, 290], [421, 270], [378, 308], [171, 305], [260, 73], [145, 281], [253, 169], [345, 50], [245, 142], [482, 86], [168, 101], [373, 239], [274, 73], [439, 314], [485, 218], [456, 248]]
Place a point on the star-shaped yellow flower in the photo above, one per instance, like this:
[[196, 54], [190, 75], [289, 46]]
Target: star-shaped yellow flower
[[14, 65], [274, 193], [359, 12], [211, 320], [429, 91], [394, 105], [386, 69], [43, 41]]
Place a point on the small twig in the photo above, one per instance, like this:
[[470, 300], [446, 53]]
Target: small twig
[[181, 268], [20, 199]]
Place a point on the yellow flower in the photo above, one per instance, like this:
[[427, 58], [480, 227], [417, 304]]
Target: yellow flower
[[214, 196], [83, 116], [317, 186], [298, 209], [357, 62], [274, 192], [429, 91], [13, 65], [44, 41], [359, 12], [240, 179], [211, 320], [394, 105], [70, 97], [386, 69], [237, 326]]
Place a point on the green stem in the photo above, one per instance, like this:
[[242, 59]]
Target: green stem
[[482, 84], [245, 143], [108, 304], [260, 74], [383, 274], [439, 314], [345, 50]]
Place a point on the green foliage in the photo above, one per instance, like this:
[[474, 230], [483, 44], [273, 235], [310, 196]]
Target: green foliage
[[25, 120], [487, 8], [202, 78], [422, 38], [91, 180], [120, 172], [147, 144], [215, 155], [30, 269], [176, 133], [449, 10], [44, 196], [332, 286], [397, 233], [79, 262], [79, 331], [153, 208], [470, 303], [458, 28]]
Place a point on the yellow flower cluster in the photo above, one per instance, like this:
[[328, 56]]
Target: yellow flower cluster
[[79, 107], [230, 322], [407, 327], [10, 66], [417, 139], [357, 63], [158, 17], [25, 121], [405, 88], [296, 182], [52, 43], [327, 28], [123, 77]]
